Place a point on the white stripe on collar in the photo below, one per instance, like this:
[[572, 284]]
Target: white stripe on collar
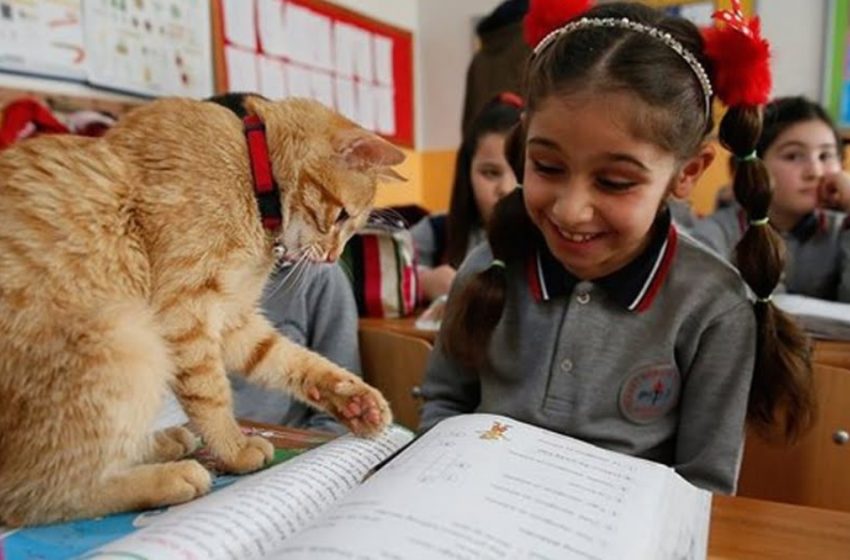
[[658, 260], [544, 293]]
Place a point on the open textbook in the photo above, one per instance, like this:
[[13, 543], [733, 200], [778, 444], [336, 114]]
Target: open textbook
[[475, 486], [820, 318]]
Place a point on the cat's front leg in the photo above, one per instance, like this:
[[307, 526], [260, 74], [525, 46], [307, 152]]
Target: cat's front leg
[[203, 389], [265, 357]]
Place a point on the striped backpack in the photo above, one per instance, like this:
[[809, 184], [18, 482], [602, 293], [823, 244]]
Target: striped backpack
[[380, 262]]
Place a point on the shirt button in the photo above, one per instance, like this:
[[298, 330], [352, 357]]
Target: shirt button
[[567, 365], [583, 298]]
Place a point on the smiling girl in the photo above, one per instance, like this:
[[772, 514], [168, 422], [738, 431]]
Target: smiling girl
[[811, 198], [587, 313]]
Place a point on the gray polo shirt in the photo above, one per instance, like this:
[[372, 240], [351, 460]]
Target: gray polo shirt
[[818, 261], [654, 360], [427, 252], [318, 311]]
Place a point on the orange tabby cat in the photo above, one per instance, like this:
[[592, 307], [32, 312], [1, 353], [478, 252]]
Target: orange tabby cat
[[135, 261]]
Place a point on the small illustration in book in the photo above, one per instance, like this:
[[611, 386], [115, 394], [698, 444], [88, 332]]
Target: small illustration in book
[[496, 431]]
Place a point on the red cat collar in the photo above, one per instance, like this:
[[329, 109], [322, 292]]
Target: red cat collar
[[265, 187]]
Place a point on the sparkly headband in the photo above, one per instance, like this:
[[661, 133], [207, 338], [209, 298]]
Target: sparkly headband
[[626, 23]]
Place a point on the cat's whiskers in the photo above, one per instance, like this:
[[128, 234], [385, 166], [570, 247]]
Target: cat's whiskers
[[290, 267], [387, 218], [301, 269]]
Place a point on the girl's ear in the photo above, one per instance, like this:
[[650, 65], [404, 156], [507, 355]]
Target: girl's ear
[[690, 172], [360, 149]]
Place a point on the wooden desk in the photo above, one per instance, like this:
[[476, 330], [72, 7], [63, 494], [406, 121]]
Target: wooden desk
[[758, 530], [833, 353], [404, 326]]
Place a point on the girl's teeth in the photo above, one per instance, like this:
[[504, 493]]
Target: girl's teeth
[[578, 237]]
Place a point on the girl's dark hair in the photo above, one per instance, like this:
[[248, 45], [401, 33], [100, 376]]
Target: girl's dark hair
[[781, 393], [784, 112], [499, 116], [611, 60]]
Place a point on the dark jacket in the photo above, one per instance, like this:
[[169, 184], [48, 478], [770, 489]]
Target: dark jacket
[[499, 63]]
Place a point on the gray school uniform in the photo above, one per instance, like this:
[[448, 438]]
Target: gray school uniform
[[654, 360], [818, 258], [318, 312], [682, 213], [428, 249]]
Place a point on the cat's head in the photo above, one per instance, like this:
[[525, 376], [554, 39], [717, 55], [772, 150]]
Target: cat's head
[[327, 169]]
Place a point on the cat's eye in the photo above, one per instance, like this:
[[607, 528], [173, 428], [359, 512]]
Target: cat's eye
[[342, 216]]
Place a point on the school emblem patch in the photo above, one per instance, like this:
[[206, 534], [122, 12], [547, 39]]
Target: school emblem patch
[[649, 393]]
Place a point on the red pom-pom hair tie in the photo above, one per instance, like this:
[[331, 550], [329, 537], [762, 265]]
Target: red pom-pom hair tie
[[740, 56], [546, 16]]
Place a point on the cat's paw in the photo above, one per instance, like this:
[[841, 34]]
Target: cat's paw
[[359, 406], [182, 481], [173, 443], [254, 454]]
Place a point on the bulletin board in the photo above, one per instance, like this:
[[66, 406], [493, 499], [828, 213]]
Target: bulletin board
[[836, 85], [358, 66], [144, 47], [150, 47], [43, 38]]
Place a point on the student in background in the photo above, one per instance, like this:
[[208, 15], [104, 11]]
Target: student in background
[[313, 307], [587, 314], [482, 177], [811, 197]]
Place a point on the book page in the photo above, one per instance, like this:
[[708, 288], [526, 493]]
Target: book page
[[484, 486], [254, 515]]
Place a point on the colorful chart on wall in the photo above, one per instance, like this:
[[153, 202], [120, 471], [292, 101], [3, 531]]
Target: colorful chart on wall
[[698, 11], [361, 67], [43, 37], [836, 85], [150, 47]]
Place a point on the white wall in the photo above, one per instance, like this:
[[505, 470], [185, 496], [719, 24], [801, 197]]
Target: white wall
[[797, 31], [445, 35]]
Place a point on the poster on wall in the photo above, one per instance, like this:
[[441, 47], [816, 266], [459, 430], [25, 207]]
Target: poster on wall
[[699, 11], [836, 85], [149, 47], [309, 48], [43, 38]]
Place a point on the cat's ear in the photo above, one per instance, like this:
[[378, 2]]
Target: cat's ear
[[360, 149]]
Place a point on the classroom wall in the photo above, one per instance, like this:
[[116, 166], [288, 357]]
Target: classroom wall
[[796, 29]]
